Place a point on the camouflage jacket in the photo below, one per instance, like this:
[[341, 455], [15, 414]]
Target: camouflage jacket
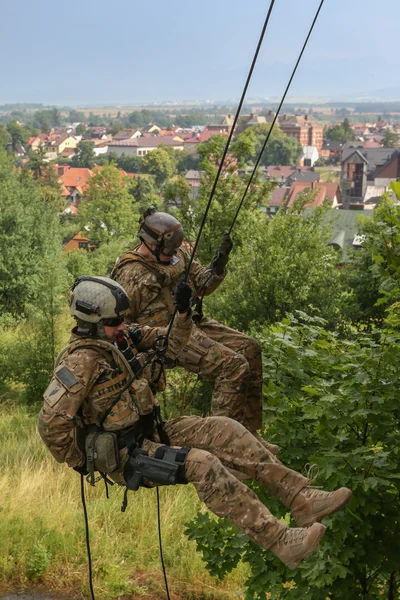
[[150, 285], [86, 382]]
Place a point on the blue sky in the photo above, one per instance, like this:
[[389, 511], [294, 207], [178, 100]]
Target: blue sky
[[81, 52]]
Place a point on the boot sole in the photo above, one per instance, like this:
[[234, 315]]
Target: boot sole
[[324, 513], [311, 549]]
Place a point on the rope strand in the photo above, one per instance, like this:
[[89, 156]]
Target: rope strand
[[276, 116]]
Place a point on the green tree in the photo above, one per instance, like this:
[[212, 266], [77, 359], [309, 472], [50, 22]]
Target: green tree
[[280, 149], [42, 120], [28, 233], [5, 137], [373, 274], [340, 133], [76, 116], [144, 192], [84, 156], [334, 403], [176, 192], [37, 162], [106, 210], [160, 164], [81, 129], [390, 139], [17, 134]]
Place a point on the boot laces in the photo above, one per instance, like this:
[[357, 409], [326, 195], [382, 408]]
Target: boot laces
[[294, 535], [311, 493]]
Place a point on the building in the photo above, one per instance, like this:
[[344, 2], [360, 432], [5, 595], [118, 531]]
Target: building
[[307, 132], [321, 192], [310, 156], [362, 167], [140, 146], [77, 242]]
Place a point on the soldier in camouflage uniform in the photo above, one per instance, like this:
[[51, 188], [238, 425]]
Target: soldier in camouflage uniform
[[149, 273], [90, 378]]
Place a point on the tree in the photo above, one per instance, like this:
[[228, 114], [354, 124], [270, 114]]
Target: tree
[[130, 164], [5, 137], [28, 233], [80, 129], [334, 403], [282, 264], [340, 133], [280, 149], [373, 274], [76, 116], [160, 164], [390, 139], [106, 210], [17, 134], [43, 120], [84, 156], [143, 191], [37, 162], [284, 150], [176, 192]]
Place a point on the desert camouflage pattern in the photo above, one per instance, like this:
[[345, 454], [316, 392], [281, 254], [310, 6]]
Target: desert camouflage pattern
[[95, 375], [214, 351], [150, 285], [218, 444]]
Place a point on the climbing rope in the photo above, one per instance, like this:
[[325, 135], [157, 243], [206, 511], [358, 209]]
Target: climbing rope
[[221, 163], [276, 116]]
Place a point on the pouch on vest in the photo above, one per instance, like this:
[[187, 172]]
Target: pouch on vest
[[194, 351], [102, 453]]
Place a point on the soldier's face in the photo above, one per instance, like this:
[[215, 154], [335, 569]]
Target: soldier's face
[[112, 332]]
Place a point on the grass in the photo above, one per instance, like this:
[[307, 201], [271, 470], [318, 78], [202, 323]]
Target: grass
[[328, 174], [42, 537]]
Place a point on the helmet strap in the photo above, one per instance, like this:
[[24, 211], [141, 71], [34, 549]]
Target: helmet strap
[[157, 251]]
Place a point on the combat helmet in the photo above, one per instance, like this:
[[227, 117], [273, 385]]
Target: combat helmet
[[97, 301], [161, 230]]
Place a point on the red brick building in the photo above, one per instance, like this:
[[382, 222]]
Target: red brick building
[[306, 132]]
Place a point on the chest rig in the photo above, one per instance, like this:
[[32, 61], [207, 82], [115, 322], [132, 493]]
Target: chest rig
[[159, 310]]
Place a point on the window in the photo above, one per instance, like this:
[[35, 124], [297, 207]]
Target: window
[[84, 245]]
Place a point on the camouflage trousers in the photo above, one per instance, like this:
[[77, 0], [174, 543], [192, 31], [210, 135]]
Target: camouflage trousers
[[233, 360], [219, 443]]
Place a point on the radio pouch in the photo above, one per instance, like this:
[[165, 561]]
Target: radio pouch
[[102, 453]]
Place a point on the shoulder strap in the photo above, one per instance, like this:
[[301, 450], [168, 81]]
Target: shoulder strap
[[131, 256]]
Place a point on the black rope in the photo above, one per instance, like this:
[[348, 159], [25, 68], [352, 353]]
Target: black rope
[[276, 115], [239, 108], [160, 543], [89, 555], [235, 120]]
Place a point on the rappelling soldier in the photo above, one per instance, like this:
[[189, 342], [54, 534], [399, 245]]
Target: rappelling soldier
[[99, 414], [150, 273]]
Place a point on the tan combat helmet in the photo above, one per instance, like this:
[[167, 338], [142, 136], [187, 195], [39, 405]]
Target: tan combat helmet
[[161, 230], [95, 299]]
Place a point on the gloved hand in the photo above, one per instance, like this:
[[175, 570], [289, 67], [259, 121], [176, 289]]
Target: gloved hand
[[221, 257], [182, 297]]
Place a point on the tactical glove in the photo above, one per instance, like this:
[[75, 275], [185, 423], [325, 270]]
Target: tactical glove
[[182, 297], [221, 257]]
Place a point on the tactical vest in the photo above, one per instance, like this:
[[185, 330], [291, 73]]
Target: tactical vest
[[160, 310], [135, 402]]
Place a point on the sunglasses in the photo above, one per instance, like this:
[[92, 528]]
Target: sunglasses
[[114, 322]]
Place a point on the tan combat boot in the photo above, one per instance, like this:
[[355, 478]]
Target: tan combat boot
[[297, 543], [311, 505]]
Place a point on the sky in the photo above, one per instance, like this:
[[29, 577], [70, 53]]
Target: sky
[[125, 52]]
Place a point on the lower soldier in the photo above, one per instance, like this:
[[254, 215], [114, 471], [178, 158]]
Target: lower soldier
[[92, 392]]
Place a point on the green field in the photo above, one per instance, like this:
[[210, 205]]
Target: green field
[[42, 537]]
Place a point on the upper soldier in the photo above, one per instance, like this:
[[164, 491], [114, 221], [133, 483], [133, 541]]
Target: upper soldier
[[150, 273], [97, 416]]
